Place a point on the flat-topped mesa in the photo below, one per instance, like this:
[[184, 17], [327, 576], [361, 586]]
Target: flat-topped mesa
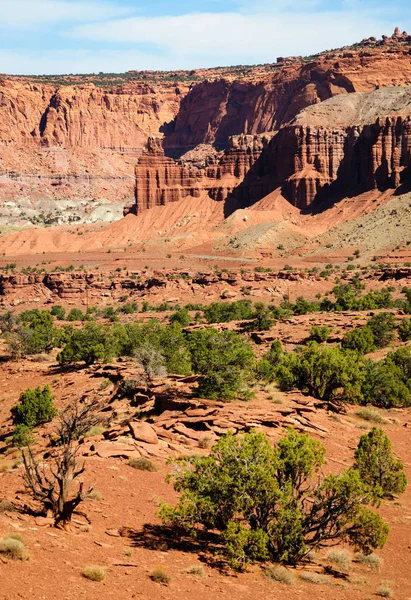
[[160, 179]]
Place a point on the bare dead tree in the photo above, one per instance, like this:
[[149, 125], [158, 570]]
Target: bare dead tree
[[51, 482]]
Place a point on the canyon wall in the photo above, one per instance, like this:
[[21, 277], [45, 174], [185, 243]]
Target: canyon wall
[[214, 110], [76, 139], [342, 147], [161, 179], [75, 145]]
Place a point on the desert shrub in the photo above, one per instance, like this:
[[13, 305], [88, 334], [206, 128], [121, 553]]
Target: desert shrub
[[36, 407], [182, 317], [196, 570], [110, 313], [128, 387], [90, 343], [377, 465], [22, 436], [94, 573], [34, 333], [205, 442], [8, 322], [58, 311], [95, 495], [151, 360], [279, 573], [275, 353], [271, 503], [384, 591], [360, 339], [341, 559], [223, 360], [52, 484], [371, 561], [315, 578], [319, 333], [13, 548], [383, 327], [76, 314], [129, 308], [261, 319], [6, 506], [387, 382], [142, 464], [224, 312], [371, 415], [264, 370], [160, 576], [170, 341], [404, 330], [303, 306], [94, 430], [327, 373]]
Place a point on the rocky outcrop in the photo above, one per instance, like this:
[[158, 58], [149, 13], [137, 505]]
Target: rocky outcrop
[[76, 143], [338, 149], [76, 288], [161, 179]]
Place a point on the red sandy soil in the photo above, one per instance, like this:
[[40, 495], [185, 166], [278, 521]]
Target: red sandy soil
[[194, 226]]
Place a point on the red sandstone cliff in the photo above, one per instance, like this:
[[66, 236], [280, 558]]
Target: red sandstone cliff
[[214, 110], [79, 142], [342, 147], [161, 179]]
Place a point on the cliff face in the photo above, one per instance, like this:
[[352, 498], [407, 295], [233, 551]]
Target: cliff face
[[74, 145], [348, 162], [83, 116], [343, 147], [161, 179], [78, 142], [334, 149], [214, 110]]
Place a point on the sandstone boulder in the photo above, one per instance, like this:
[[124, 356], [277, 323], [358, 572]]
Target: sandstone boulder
[[144, 432]]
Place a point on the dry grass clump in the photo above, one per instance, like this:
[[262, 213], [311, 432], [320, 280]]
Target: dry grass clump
[[341, 559], [316, 578], [205, 442], [160, 576], [13, 547], [371, 414], [4, 467], [371, 561], [385, 591], [279, 573], [94, 573], [142, 464], [196, 570], [95, 495], [95, 430], [6, 506]]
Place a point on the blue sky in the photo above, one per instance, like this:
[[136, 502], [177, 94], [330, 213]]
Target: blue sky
[[72, 36]]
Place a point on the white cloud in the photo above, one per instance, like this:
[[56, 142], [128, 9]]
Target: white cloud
[[26, 14], [255, 33], [236, 37]]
